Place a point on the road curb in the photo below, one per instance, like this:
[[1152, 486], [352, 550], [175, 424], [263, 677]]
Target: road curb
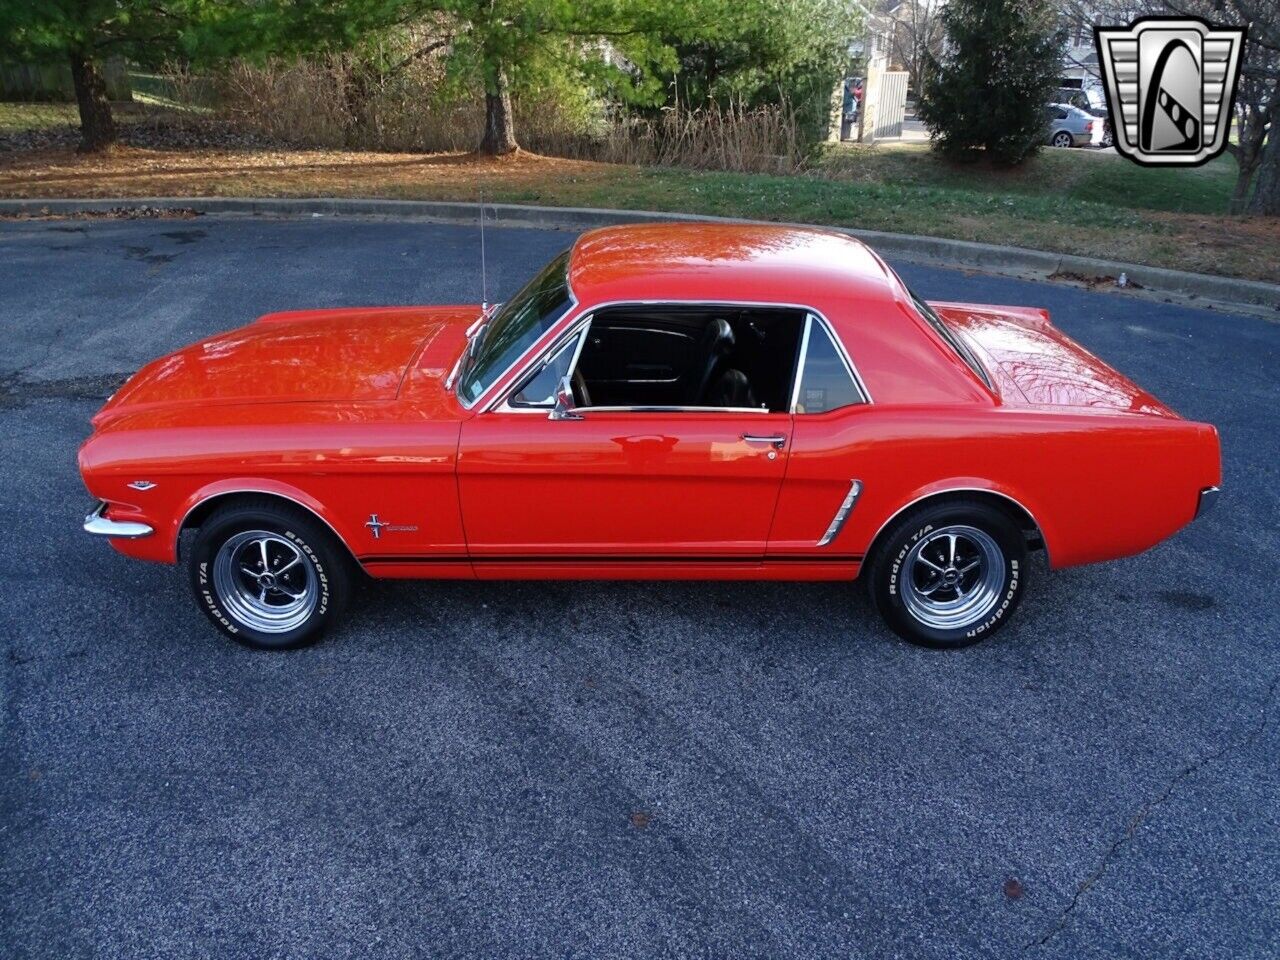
[[1226, 292]]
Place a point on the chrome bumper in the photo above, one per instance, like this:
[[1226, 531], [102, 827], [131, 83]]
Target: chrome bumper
[[1208, 497], [100, 526]]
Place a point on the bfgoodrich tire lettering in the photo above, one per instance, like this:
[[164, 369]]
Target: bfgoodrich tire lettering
[[949, 574], [268, 574]]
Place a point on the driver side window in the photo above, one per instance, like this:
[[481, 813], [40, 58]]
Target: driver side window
[[689, 356], [676, 357]]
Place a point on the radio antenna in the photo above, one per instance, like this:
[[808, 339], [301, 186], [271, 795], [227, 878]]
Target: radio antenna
[[484, 277]]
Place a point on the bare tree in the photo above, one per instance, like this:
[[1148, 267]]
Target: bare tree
[[915, 35]]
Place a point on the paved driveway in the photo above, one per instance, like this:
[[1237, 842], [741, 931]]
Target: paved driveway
[[614, 769]]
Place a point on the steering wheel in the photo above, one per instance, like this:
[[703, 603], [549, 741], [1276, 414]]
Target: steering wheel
[[579, 383]]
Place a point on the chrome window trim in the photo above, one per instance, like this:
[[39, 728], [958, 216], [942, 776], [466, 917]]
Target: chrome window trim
[[654, 408], [667, 302], [842, 513], [855, 377], [509, 405], [798, 373]]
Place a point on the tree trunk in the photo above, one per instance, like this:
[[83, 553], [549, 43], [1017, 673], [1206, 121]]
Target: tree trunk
[[1240, 193], [499, 126], [97, 125], [1266, 195]]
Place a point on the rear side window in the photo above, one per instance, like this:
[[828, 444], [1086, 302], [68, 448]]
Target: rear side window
[[826, 383]]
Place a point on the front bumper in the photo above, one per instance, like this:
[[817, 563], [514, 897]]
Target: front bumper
[[1208, 497], [98, 524]]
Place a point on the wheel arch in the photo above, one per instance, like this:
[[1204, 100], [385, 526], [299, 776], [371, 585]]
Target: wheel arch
[[1011, 506], [204, 503]]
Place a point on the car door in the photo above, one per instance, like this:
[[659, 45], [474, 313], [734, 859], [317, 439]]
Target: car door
[[640, 483]]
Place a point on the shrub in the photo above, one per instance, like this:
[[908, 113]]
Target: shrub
[[987, 95]]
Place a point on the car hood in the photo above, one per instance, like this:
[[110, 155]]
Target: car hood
[[357, 354], [1033, 363]]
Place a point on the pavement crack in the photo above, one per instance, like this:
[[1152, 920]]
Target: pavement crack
[[17, 392], [1145, 811]]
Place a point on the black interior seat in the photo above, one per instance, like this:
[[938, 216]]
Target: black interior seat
[[731, 389], [717, 343]]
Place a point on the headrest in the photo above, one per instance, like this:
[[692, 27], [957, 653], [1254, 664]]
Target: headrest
[[718, 335]]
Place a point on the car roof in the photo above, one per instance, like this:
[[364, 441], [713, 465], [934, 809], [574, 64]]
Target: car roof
[[710, 261]]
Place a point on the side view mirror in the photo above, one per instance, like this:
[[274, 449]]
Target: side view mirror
[[564, 402]]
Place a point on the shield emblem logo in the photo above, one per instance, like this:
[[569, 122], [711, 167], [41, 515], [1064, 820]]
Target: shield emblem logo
[[1170, 84]]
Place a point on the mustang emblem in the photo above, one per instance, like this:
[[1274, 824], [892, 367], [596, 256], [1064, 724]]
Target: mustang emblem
[[377, 526]]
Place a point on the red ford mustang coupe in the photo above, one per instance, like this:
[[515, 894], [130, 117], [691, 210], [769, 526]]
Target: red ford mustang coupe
[[691, 401]]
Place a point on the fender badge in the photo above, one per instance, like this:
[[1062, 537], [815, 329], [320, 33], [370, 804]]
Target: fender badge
[[142, 485], [377, 526]]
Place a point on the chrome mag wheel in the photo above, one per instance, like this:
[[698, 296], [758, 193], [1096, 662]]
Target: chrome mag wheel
[[264, 581], [953, 577]]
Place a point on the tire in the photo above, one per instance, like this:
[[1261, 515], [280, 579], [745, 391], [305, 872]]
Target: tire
[[1062, 139], [964, 605], [308, 583]]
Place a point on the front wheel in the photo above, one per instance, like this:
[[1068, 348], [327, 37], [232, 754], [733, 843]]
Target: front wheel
[[948, 575], [269, 575]]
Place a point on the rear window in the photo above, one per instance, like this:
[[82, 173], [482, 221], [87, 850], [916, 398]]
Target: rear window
[[955, 343]]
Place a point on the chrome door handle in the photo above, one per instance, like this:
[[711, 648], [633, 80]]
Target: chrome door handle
[[776, 441]]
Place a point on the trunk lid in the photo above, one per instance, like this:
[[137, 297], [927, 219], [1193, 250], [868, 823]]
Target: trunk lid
[[1033, 363]]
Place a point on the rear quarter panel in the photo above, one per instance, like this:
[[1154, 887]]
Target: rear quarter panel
[[1099, 485]]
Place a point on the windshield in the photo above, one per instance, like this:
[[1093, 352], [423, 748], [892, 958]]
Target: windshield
[[515, 328]]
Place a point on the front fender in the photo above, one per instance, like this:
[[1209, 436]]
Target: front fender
[[163, 545], [242, 485]]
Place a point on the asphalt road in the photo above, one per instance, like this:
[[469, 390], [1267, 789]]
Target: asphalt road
[[616, 769]]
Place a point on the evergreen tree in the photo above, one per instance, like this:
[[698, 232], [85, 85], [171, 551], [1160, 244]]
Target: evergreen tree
[[1001, 66], [84, 33]]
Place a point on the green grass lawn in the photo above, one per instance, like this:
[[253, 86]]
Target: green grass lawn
[[20, 117], [1067, 201], [1087, 176]]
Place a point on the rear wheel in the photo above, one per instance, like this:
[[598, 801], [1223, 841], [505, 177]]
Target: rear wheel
[[1062, 139], [949, 574], [269, 575]]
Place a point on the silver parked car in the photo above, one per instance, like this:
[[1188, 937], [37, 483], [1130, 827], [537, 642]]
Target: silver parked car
[[1070, 126]]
